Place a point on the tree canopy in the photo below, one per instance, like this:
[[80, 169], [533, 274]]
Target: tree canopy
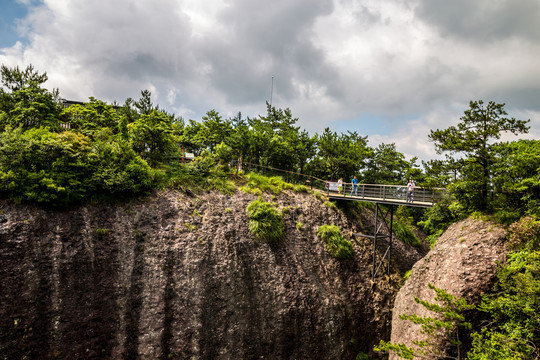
[[473, 138]]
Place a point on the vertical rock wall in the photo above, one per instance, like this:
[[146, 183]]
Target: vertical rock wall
[[463, 263], [178, 277]]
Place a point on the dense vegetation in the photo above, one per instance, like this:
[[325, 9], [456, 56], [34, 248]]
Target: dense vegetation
[[265, 221], [58, 156], [336, 244]]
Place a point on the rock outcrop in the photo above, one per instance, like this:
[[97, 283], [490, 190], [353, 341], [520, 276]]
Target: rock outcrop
[[463, 263], [180, 277]]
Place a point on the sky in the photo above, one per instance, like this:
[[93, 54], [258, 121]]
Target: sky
[[391, 70]]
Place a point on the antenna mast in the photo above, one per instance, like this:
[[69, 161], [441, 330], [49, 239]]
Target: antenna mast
[[271, 91]]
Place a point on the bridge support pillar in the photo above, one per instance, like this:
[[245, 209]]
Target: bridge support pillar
[[386, 220]]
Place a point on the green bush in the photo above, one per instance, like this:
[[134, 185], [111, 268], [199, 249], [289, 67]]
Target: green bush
[[439, 217], [512, 332], [300, 188], [336, 244], [362, 356], [524, 234], [274, 184], [405, 234], [407, 275], [265, 221], [330, 205]]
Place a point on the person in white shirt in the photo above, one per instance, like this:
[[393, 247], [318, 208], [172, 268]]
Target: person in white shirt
[[410, 191]]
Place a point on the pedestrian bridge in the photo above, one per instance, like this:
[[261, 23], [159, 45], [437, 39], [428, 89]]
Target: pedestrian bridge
[[375, 193], [388, 195], [385, 194]]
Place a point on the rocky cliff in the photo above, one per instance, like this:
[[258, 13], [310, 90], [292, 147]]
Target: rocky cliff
[[179, 276], [463, 263]]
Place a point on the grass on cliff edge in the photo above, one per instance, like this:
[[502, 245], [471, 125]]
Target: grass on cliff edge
[[265, 221], [336, 244], [257, 184]]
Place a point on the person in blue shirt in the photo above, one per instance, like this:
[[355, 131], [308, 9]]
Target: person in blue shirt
[[355, 186]]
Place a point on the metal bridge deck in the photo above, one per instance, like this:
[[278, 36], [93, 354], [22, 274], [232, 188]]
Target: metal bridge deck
[[385, 194], [336, 196]]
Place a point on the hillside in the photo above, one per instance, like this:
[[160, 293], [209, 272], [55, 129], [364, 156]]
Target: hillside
[[179, 276]]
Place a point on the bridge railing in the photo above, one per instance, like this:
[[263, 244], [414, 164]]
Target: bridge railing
[[364, 191], [288, 176], [389, 192]]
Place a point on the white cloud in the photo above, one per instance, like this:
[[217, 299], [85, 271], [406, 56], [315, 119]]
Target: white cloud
[[392, 70]]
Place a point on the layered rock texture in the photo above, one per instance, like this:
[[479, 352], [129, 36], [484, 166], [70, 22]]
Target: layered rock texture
[[463, 262], [180, 277]]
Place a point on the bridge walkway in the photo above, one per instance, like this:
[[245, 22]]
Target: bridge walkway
[[386, 194]]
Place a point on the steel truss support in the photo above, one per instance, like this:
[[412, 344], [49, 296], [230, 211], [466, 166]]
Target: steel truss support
[[379, 235]]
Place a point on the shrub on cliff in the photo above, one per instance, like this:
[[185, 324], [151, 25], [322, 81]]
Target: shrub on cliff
[[62, 168], [265, 221], [336, 244]]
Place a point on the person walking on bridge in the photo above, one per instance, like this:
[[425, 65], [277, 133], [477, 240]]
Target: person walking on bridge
[[410, 191], [354, 186]]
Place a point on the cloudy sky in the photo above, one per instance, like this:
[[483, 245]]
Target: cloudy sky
[[388, 69]]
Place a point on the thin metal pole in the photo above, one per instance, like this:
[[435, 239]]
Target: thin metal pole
[[375, 240], [271, 91], [390, 247]]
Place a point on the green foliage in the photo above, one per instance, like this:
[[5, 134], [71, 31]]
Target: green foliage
[[336, 244], [203, 165], [516, 177], [23, 102], [513, 332], [439, 217], [340, 155], [102, 231], [524, 234], [265, 221], [43, 166], [153, 137], [362, 356], [221, 184], [330, 205], [118, 170], [250, 190], [274, 185], [387, 166], [224, 154], [214, 131], [300, 188], [405, 234], [407, 275], [489, 344], [473, 137], [300, 226], [61, 168], [442, 328], [91, 117], [319, 195]]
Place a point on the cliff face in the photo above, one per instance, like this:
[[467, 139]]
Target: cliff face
[[463, 263], [181, 277]]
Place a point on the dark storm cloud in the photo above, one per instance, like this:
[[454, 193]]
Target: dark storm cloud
[[265, 39], [391, 69], [483, 20]]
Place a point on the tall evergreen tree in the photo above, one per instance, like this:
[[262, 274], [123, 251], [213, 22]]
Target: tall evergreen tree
[[473, 137]]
